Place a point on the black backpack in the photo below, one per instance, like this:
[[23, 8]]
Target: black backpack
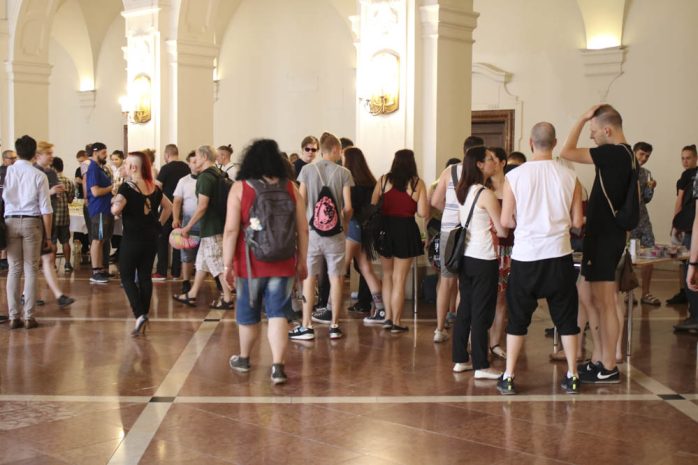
[[326, 220], [683, 221], [627, 216], [271, 234], [219, 202]]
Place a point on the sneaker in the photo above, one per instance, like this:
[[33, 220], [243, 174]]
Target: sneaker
[[241, 364], [377, 319], [399, 329], [158, 277], [16, 323], [387, 324], [64, 301], [488, 373], [31, 323], [678, 299], [335, 332], [587, 367], [301, 333], [570, 384], [68, 268], [505, 386], [277, 374], [99, 278], [600, 376], [356, 308], [322, 316], [440, 335], [687, 325], [461, 367]]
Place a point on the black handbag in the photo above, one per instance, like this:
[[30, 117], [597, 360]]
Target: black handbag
[[625, 274], [372, 229], [455, 246]]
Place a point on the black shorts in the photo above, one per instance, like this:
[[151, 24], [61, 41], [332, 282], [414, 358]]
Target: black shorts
[[601, 254], [60, 234], [553, 279], [101, 227]]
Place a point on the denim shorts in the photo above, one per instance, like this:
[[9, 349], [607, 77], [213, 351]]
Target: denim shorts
[[354, 231], [274, 293]]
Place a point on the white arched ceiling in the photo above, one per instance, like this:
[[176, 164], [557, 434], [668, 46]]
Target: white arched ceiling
[[30, 29], [603, 22], [99, 16], [70, 32]]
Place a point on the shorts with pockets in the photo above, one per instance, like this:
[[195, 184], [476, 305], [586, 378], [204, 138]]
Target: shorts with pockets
[[210, 256], [101, 227], [331, 248], [273, 293]]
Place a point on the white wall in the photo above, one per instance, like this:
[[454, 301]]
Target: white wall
[[71, 126], [538, 41], [286, 70]]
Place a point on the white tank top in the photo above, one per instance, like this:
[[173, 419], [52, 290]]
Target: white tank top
[[479, 235], [543, 191], [449, 218]]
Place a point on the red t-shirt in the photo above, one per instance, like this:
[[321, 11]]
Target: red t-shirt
[[260, 269]]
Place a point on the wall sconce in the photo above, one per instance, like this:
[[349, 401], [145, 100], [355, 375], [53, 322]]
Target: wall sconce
[[382, 83], [140, 93]]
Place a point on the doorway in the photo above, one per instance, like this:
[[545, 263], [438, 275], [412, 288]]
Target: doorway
[[496, 127]]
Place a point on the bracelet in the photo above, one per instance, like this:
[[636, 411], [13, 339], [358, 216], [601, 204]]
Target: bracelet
[[693, 264]]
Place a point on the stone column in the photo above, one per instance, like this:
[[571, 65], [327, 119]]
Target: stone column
[[27, 103], [5, 139]]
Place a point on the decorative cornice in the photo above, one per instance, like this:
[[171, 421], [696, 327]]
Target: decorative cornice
[[29, 72], [492, 72], [447, 22], [604, 62], [87, 98], [192, 54]]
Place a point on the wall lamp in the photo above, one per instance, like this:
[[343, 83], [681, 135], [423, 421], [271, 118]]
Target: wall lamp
[[381, 93]]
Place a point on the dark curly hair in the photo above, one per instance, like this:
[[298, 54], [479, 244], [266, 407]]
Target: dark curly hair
[[262, 158]]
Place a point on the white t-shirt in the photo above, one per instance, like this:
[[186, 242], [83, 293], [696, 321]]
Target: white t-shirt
[[479, 235], [543, 190], [449, 218], [186, 189]]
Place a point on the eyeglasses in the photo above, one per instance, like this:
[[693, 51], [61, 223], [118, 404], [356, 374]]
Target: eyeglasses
[[310, 149]]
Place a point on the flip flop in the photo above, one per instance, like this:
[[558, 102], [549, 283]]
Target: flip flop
[[185, 299], [497, 351]]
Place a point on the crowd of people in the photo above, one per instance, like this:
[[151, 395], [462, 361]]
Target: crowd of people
[[279, 233]]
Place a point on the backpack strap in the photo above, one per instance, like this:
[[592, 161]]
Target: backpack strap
[[322, 180], [633, 163]]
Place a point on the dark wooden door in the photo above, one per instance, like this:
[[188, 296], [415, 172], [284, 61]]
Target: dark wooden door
[[496, 127]]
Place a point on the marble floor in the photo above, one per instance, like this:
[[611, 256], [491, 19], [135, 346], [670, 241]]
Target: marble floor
[[79, 390]]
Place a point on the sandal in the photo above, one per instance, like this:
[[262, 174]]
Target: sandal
[[221, 304], [497, 351], [185, 299], [649, 299]]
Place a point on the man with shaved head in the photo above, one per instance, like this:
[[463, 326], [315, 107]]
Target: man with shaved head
[[542, 200], [604, 240]]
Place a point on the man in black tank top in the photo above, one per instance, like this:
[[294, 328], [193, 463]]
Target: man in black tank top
[[604, 240]]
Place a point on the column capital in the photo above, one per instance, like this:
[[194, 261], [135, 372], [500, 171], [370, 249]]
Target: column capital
[[193, 54], [449, 22], [28, 72], [604, 62]]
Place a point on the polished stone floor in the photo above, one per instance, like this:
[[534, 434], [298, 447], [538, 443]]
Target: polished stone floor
[[80, 390]]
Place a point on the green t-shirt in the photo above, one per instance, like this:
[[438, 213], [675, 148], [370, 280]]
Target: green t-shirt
[[207, 184]]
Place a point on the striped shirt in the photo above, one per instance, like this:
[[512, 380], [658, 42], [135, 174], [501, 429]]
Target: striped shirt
[[449, 219]]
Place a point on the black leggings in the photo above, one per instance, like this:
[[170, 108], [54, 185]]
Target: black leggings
[[137, 257]]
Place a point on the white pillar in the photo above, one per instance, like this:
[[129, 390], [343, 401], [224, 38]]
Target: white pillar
[[27, 103], [5, 139]]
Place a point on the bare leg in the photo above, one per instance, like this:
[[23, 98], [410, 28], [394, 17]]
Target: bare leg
[[620, 312], [514, 346], [397, 299], [497, 329], [604, 298], [569, 343], [309, 295], [96, 254], [198, 282], [367, 272], [646, 273], [336, 285], [50, 275], [387, 267], [187, 268], [66, 253], [278, 338], [227, 294], [444, 298], [248, 337], [593, 315]]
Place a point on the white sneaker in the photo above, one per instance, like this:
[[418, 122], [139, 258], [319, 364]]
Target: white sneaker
[[440, 335], [487, 373], [461, 367]]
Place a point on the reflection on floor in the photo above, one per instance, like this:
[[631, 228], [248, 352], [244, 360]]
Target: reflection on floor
[[80, 390]]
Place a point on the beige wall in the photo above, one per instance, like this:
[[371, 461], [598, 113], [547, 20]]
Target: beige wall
[[286, 71], [538, 42]]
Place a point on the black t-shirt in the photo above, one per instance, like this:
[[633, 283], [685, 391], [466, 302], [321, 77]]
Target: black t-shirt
[[78, 175], [360, 200], [170, 174], [139, 225], [614, 164], [298, 166], [685, 182]]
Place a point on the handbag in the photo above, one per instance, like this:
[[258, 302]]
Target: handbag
[[625, 274], [455, 246]]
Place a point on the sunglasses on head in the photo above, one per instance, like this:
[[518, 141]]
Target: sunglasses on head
[[310, 149]]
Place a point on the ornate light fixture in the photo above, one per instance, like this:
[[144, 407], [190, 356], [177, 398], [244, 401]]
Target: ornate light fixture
[[382, 83]]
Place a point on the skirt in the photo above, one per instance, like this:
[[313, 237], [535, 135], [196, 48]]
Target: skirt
[[401, 238]]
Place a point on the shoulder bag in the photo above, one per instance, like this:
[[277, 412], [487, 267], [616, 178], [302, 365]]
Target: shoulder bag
[[455, 246]]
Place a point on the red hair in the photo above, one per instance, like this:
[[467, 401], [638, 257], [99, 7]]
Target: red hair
[[146, 167]]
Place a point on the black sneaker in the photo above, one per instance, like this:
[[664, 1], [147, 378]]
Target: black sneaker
[[241, 364], [570, 384], [387, 324], [678, 299], [335, 332], [399, 329], [687, 325], [68, 268], [64, 301], [505, 386], [277, 374], [377, 319], [301, 333], [322, 316], [357, 308], [587, 367], [40, 302], [99, 278], [600, 376]]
